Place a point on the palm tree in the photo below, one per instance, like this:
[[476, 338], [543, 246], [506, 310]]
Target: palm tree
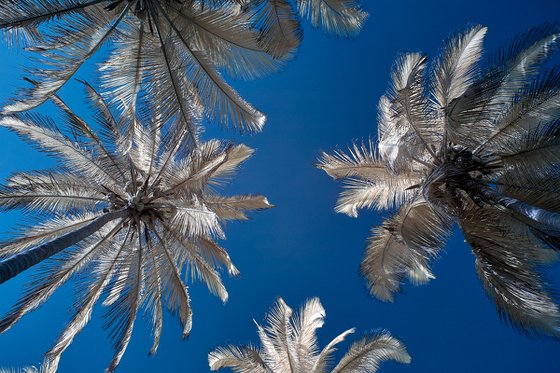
[[168, 51], [479, 148], [130, 211], [289, 345]]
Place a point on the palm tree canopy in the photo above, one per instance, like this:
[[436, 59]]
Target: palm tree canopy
[[156, 215], [169, 51], [289, 345], [472, 146]]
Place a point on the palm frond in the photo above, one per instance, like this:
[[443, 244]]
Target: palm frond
[[366, 354], [280, 31], [402, 247], [520, 61], [84, 309], [64, 62], [507, 259], [239, 359], [310, 318], [407, 123], [324, 359], [234, 208], [339, 17], [456, 70]]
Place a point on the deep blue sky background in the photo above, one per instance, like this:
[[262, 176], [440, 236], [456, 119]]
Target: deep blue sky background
[[326, 97]]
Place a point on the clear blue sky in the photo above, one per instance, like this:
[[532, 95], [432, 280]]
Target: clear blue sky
[[326, 97]]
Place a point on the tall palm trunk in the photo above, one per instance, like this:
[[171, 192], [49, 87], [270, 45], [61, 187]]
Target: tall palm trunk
[[550, 220], [17, 263]]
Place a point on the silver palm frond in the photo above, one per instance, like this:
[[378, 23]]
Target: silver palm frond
[[134, 214], [471, 145], [168, 52], [289, 345]]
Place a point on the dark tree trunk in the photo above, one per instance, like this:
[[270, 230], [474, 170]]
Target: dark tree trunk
[[17, 263], [549, 220]]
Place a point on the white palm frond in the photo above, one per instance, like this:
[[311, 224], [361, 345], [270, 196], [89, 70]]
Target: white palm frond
[[339, 17], [366, 354], [289, 344]]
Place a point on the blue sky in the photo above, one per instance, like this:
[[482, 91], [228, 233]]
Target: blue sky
[[325, 98]]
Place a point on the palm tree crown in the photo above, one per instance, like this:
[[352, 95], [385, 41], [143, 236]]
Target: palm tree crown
[[289, 345], [480, 148], [130, 210], [167, 50]]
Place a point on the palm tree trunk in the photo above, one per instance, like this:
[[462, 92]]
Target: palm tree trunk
[[17, 263], [549, 220]]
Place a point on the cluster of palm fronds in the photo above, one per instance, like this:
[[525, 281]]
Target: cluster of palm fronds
[[169, 52], [289, 344], [132, 210], [476, 147]]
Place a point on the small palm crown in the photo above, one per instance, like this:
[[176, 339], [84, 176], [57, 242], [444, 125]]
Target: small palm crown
[[289, 345], [132, 209], [478, 148], [169, 51]]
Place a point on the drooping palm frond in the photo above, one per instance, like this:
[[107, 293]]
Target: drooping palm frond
[[289, 344], [472, 145], [369, 183], [402, 247], [134, 222], [168, 52], [339, 17]]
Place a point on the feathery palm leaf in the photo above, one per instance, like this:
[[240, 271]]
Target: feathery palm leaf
[[289, 345], [471, 146], [135, 215], [169, 52]]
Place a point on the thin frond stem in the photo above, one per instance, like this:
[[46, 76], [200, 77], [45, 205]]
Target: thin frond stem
[[17, 263], [48, 15]]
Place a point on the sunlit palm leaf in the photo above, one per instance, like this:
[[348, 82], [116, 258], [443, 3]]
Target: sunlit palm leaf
[[289, 344]]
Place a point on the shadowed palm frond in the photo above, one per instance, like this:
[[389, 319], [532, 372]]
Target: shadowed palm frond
[[477, 146], [289, 344]]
